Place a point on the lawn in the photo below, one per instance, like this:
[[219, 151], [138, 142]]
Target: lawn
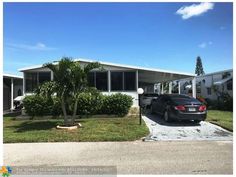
[[221, 118], [94, 129]]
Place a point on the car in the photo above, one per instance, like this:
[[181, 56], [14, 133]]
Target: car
[[179, 107], [18, 102], [146, 99]]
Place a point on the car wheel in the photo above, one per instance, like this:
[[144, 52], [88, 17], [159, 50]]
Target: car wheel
[[197, 121], [166, 116]]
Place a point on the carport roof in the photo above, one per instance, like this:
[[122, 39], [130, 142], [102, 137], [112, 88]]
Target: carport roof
[[117, 65], [12, 76]]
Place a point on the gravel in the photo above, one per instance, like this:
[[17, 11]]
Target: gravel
[[160, 130]]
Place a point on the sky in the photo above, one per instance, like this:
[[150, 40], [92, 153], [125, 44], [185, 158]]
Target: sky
[[166, 36]]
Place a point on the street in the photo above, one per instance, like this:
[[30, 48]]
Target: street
[[157, 157]]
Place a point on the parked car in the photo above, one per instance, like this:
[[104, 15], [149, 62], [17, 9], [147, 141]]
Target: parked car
[[179, 107], [18, 102], [146, 99]]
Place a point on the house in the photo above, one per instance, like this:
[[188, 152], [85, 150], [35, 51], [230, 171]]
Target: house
[[210, 85], [114, 78], [213, 84], [12, 87]]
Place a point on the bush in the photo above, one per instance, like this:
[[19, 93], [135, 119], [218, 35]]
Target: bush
[[224, 103], [118, 104], [36, 105], [89, 103]]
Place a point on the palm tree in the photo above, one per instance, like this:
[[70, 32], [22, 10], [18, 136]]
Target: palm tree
[[79, 81], [70, 79]]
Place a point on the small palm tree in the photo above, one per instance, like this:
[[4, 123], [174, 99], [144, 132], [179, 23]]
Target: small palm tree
[[70, 80]]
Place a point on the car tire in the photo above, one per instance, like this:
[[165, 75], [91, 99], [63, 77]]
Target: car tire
[[166, 116], [197, 121]]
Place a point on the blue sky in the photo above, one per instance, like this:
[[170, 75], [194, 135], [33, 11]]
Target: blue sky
[[158, 35]]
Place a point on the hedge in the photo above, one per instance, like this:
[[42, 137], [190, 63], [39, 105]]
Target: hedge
[[89, 103]]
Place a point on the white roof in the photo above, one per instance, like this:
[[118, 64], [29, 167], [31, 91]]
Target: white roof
[[217, 72], [13, 76], [222, 81], [116, 65]]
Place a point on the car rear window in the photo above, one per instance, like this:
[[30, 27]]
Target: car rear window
[[151, 95], [184, 98]]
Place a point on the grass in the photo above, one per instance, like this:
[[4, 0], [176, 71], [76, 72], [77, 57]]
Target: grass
[[94, 129], [221, 118]]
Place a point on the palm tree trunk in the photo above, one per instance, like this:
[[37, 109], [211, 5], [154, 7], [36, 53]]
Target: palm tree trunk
[[63, 106], [75, 111]]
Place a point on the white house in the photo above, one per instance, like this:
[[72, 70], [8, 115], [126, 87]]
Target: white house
[[115, 78], [210, 85], [12, 87]]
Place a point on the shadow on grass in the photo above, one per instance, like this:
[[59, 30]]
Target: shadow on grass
[[32, 126]]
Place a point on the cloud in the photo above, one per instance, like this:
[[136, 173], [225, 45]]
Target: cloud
[[205, 44], [194, 10], [37, 47], [222, 28]]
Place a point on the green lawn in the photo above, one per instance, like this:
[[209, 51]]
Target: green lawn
[[94, 129], [221, 118]]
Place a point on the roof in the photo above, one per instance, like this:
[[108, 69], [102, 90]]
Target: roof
[[12, 76], [217, 72], [115, 65], [222, 81]]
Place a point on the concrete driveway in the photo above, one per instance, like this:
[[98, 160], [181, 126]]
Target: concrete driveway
[[160, 130]]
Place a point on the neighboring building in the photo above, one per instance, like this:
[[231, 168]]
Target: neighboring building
[[210, 85], [115, 78], [213, 84], [12, 87]]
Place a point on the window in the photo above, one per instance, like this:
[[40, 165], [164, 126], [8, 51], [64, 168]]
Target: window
[[209, 91], [44, 76], [91, 79], [116, 81], [98, 80], [230, 84], [123, 81], [101, 81], [129, 81], [31, 81]]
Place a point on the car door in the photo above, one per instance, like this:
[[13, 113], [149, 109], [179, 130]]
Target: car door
[[162, 104], [155, 104], [158, 104]]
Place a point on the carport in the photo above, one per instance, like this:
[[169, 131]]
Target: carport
[[12, 87], [163, 79], [116, 78]]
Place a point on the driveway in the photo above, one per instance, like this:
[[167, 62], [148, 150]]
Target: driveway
[[160, 130], [136, 157]]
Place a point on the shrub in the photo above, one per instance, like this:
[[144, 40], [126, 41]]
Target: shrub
[[224, 103], [118, 104], [56, 107], [36, 105], [89, 103]]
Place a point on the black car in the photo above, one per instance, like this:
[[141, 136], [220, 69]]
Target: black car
[[179, 107]]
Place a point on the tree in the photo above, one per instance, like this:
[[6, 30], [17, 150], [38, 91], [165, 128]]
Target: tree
[[199, 68], [70, 79]]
